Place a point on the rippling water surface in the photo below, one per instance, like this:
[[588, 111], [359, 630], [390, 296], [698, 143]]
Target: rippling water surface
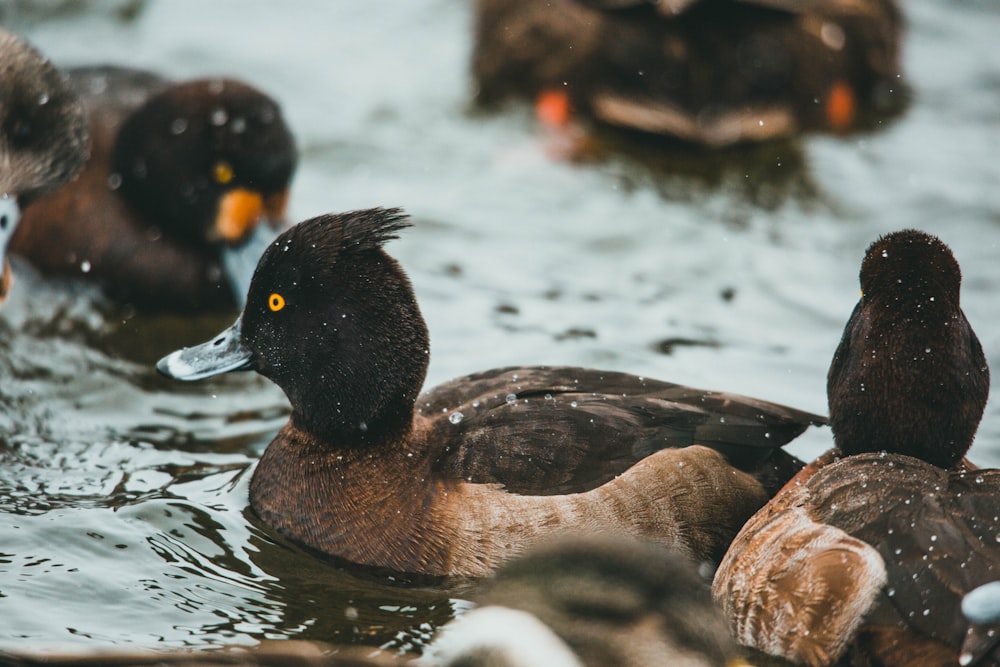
[[123, 515]]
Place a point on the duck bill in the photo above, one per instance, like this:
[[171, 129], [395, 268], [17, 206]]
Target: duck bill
[[223, 354], [242, 210], [10, 215]]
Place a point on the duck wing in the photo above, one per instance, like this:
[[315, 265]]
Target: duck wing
[[938, 532], [547, 430], [873, 549]]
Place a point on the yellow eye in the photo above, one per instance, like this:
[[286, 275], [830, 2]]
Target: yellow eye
[[276, 302], [222, 172]]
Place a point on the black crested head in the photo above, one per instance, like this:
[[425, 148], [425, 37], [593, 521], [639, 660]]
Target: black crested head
[[191, 143], [909, 375], [332, 319]]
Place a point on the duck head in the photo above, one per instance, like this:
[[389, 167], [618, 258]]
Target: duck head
[[210, 161], [332, 320], [909, 375]]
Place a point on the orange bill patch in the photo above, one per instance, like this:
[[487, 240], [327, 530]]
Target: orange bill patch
[[841, 106], [239, 211], [553, 108]]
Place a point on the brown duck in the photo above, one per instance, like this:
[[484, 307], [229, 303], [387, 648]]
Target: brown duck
[[710, 72], [180, 176], [458, 480], [864, 557]]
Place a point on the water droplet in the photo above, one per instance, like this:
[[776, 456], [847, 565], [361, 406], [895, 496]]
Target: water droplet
[[114, 180], [573, 404], [890, 592], [178, 126], [511, 398], [548, 397], [43, 99], [85, 266], [456, 417], [885, 253], [239, 125], [475, 404], [219, 117]]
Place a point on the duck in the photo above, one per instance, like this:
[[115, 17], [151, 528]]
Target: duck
[[708, 73], [586, 600], [183, 179], [865, 555], [43, 135], [453, 482]]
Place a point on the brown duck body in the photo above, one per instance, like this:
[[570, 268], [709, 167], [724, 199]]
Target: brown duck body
[[529, 458], [708, 72], [890, 544], [864, 557], [470, 474], [143, 218]]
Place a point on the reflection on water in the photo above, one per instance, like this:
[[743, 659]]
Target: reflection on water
[[123, 508]]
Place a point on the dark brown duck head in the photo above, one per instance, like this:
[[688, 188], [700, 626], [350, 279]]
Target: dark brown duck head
[[326, 294], [206, 160], [43, 134], [185, 186], [909, 376]]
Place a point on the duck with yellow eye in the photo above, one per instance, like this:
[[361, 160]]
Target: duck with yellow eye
[[455, 481], [186, 184]]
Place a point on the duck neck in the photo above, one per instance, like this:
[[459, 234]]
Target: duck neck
[[369, 506]]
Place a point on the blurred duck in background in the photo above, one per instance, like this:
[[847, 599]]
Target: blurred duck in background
[[43, 135], [705, 72], [186, 184]]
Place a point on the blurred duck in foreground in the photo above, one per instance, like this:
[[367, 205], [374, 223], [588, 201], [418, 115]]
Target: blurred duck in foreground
[[456, 481], [864, 557], [43, 135], [180, 178], [709, 72], [591, 602], [579, 601]]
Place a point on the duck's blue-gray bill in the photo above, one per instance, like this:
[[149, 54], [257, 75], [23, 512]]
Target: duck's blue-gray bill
[[224, 353]]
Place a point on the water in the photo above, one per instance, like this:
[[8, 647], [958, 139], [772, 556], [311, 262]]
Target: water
[[123, 514]]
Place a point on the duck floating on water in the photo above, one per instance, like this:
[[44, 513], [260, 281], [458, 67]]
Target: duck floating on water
[[866, 554], [474, 471], [707, 72]]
